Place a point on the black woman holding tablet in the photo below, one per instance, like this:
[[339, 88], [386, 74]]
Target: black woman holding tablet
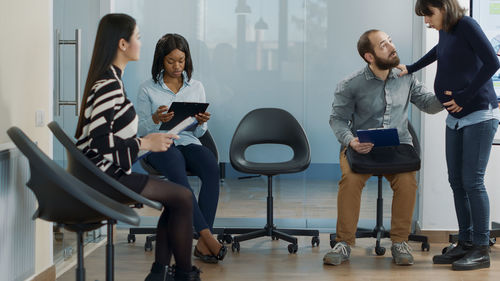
[[171, 82]]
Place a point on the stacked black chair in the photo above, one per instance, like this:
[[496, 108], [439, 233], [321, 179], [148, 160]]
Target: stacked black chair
[[82, 168], [270, 126], [207, 141], [66, 200], [380, 161]]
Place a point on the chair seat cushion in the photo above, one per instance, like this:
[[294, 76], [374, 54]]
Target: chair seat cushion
[[384, 160]]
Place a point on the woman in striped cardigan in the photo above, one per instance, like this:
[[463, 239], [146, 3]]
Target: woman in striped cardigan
[[106, 133]]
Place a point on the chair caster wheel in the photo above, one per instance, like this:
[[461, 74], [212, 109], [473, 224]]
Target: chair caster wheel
[[131, 238], [224, 238], [333, 243], [235, 247], [493, 240], [293, 248], [275, 238], [315, 241], [228, 238], [148, 246], [380, 251], [220, 238], [425, 246]]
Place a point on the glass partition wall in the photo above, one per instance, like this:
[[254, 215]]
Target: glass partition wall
[[282, 53], [250, 54]]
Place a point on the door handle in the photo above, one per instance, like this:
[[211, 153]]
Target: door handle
[[78, 62]]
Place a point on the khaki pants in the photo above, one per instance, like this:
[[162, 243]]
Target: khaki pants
[[351, 185]]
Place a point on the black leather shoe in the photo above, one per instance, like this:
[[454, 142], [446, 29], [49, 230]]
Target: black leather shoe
[[160, 273], [477, 257], [454, 254], [205, 258], [222, 253], [193, 275]]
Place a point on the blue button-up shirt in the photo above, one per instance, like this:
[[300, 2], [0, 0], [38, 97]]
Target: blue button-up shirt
[[364, 101], [153, 95]]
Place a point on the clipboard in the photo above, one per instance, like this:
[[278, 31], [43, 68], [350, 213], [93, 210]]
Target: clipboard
[[379, 137], [183, 110]]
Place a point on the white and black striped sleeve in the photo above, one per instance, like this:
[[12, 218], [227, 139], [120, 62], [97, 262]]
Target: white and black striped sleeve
[[110, 121]]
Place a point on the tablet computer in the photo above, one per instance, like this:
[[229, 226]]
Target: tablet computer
[[183, 110], [379, 137]]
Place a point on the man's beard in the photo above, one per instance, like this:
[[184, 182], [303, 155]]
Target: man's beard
[[384, 64]]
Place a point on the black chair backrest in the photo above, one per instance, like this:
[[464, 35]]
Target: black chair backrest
[[63, 198], [414, 137], [270, 126], [82, 168], [208, 141]]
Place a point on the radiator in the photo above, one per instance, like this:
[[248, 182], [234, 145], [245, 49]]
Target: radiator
[[17, 229]]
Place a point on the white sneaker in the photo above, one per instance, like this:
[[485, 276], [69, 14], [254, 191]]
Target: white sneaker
[[401, 253], [340, 253]]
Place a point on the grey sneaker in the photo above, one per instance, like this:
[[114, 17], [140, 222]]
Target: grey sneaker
[[401, 253], [340, 253]]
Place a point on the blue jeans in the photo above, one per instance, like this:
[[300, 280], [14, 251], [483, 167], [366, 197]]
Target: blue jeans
[[467, 153], [201, 162]]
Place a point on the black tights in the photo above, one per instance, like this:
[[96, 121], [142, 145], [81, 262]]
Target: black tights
[[174, 233]]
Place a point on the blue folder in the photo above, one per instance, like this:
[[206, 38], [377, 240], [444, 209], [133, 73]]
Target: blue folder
[[379, 137]]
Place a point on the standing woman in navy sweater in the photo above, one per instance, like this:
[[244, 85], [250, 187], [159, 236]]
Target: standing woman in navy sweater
[[106, 133], [466, 62]]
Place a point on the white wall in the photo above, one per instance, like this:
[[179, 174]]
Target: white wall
[[437, 208], [26, 85]]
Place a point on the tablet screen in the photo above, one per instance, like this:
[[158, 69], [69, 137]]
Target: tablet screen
[[183, 110]]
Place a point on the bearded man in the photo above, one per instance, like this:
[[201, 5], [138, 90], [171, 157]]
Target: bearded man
[[375, 97]]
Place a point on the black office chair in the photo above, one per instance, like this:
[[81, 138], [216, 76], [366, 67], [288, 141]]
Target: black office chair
[[380, 161], [65, 200], [207, 141], [270, 126], [82, 168]]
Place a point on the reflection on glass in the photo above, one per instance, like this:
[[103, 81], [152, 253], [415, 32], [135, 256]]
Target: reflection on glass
[[288, 54]]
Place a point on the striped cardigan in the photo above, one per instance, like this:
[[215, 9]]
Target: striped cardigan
[[110, 126]]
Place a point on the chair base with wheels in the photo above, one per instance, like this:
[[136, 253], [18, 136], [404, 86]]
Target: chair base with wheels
[[270, 229], [379, 231]]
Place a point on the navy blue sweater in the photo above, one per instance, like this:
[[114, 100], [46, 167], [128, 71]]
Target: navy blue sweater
[[466, 62]]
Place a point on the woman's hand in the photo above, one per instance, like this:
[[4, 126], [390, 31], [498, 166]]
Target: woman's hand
[[202, 117], [451, 105], [403, 69], [160, 116], [361, 147], [157, 142]]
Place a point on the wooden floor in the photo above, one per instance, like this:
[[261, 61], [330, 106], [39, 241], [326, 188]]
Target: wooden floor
[[263, 259]]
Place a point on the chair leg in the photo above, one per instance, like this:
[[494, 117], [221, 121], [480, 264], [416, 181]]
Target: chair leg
[[110, 253], [80, 269], [284, 236], [250, 235]]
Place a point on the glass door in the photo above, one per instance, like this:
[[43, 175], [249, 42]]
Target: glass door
[[75, 25]]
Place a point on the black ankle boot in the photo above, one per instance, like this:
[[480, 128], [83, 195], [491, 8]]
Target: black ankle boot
[[453, 254], [159, 273], [477, 257], [193, 275]]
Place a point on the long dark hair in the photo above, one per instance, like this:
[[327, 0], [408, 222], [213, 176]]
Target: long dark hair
[[112, 28], [453, 12], [165, 45]]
